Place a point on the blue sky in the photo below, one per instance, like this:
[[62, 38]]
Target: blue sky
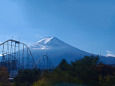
[[86, 24]]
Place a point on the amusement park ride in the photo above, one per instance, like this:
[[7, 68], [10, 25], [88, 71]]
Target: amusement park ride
[[15, 55]]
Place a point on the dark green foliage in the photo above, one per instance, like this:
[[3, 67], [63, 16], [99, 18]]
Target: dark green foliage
[[86, 72], [27, 77], [81, 71], [64, 65]]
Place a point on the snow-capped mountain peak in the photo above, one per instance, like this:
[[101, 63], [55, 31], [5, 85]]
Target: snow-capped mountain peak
[[45, 40], [49, 43], [58, 50]]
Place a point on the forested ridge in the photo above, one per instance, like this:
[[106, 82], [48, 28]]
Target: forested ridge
[[85, 72]]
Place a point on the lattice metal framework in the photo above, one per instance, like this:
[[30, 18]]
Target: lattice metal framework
[[44, 63], [15, 56]]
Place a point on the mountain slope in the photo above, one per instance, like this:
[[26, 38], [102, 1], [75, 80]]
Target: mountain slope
[[58, 50]]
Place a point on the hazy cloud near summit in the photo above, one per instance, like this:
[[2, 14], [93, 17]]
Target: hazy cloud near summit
[[109, 53], [38, 35]]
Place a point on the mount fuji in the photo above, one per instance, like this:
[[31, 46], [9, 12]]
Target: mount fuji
[[57, 50]]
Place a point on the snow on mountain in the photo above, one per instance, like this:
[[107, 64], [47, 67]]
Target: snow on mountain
[[58, 50], [49, 43], [45, 40]]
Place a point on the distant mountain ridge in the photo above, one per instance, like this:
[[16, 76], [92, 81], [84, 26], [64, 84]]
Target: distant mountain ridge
[[58, 50]]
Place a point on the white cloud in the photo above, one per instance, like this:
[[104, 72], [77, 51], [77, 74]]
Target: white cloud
[[109, 53], [38, 35], [113, 55], [0, 54]]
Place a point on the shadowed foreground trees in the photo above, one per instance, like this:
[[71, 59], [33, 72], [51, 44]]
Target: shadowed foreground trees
[[26, 77], [4, 77], [79, 72], [86, 72]]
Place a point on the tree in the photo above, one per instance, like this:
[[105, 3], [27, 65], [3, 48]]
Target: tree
[[27, 77], [4, 77], [84, 70], [64, 65]]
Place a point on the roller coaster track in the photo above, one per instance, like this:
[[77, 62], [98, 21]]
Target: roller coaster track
[[16, 55], [44, 63]]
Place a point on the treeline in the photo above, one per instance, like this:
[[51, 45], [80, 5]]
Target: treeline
[[87, 71]]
